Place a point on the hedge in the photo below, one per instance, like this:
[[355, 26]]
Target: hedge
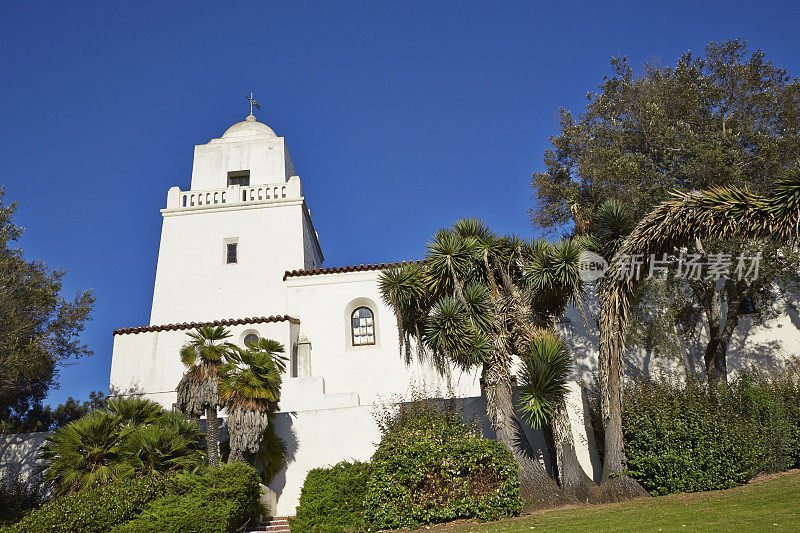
[[418, 481], [332, 499], [94, 510], [694, 437], [216, 500]]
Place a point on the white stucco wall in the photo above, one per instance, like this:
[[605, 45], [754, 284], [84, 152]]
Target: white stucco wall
[[246, 145], [325, 303], [148, 363], [193, 280], [19, 454], [766, 346]]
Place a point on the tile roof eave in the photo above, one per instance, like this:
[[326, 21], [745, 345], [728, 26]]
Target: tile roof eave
[[344, 269], [193, 325]]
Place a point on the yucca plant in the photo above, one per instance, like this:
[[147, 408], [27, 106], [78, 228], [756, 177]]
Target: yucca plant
[[543, 378], [718, 213], [476, 301], [543, 375], [204, 354]]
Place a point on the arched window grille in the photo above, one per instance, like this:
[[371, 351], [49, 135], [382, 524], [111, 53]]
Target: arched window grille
[[362, 326], [250, 340]]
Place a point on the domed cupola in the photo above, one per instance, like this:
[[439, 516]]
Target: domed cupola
[[249, 128]]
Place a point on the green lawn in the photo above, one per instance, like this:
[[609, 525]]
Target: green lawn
[[770, 505]]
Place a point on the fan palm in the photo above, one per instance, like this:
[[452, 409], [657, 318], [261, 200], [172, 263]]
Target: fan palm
[[166, 444], [204, 355], [135, 411], [251, 389], [719, 213], [473, 302], [87, 452]]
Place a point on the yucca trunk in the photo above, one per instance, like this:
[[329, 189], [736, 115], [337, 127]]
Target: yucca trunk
[[212, 436], [537, 489], [571, 475]]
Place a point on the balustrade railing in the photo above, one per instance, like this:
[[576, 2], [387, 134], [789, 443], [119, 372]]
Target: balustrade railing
[[233, 195]]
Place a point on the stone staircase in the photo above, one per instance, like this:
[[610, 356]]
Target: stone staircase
[[276, 524]]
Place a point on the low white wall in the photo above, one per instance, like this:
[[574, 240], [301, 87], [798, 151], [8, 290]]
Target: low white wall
[[20, 453], [327, 436]]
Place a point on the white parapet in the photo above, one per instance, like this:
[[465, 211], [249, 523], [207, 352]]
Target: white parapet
[[234, 195]]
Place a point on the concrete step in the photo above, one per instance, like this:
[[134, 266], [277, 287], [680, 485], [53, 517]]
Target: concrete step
[[276, 524]]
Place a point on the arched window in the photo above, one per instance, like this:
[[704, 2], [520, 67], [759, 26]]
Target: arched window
[[362, 327], [250, 340]]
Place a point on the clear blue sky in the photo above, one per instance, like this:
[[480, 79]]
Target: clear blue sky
[[408, 115]]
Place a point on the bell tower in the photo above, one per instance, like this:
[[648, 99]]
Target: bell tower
[[226, 242]]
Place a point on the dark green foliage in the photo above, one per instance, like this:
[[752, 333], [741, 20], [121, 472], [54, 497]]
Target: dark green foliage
[[40, 327], [19, 496], [92, 511], [430, 467], [46, 418], [695, 437], [543, 378], [217, 500], [332, 500], [134, 437]]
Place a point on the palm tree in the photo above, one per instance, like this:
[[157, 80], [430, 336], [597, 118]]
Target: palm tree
[[135, 411], [87, 452], [476, 300], [543, 378], [166, 444], [251, 389], [718, 213], [204, 355]]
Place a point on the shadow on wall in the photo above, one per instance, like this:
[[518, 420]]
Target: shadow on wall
[[19, 454], [766, 347], [284, 428]]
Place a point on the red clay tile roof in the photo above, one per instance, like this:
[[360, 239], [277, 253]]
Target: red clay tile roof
[[193, 325], [339, 270]]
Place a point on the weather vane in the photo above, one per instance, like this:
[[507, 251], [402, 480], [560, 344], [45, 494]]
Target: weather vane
[[252, 101]]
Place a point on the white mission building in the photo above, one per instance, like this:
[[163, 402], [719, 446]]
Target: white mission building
[[239, 249]]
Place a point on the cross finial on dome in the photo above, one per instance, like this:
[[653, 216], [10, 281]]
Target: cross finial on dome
[[253, 104]]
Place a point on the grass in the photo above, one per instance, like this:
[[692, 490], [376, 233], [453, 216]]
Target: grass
[[771, 505]]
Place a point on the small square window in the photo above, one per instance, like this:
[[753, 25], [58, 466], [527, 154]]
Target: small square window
[[241, 178], [232, 253]]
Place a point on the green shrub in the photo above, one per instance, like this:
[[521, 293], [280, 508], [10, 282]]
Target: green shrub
[[19, 496], [771, 404], [693, 437], [430, 467], [332, 499], [94, 510], [677, 442], [213, 501]]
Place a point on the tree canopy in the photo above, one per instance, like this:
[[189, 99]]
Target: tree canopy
[[40, 328], [727, 117]]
